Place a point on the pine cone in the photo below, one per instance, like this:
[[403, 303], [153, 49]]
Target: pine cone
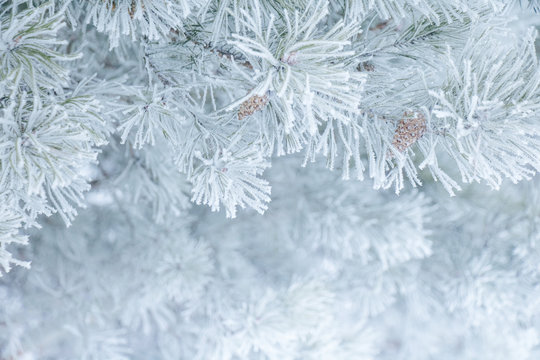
[[132, 10], [252, 105], [366, 66], [291, 58], [410, 128]]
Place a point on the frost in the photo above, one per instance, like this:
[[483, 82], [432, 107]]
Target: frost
[[269, 179]]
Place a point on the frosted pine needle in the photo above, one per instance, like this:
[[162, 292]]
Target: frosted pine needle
[[252, 105], [410, 128]]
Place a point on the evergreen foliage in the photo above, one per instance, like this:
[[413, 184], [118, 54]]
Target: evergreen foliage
[[269, 179]]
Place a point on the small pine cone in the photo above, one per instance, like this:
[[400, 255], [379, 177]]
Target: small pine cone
[[131, 11], [291, 58], [366, 66], [252, 105], [410, 128], [380, 25], [111, 3], [133, 8]]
